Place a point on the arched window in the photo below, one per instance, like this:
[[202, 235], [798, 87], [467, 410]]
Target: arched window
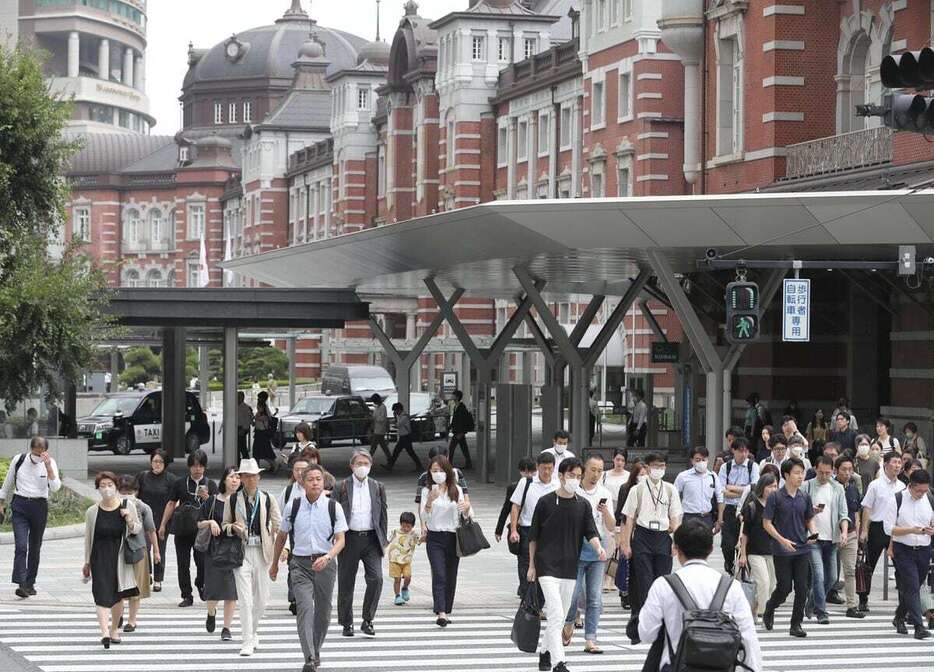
[[131, 278], [856, 77], [154, 278], [156, 231], [132, 226]]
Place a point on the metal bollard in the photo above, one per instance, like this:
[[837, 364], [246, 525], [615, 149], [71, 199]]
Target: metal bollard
[[885, 576]]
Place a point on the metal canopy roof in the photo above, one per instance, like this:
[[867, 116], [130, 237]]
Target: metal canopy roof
[[236, 307], [593, 246]]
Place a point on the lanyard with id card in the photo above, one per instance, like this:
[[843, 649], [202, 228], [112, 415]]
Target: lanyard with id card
[[253, 539], [655, 525]]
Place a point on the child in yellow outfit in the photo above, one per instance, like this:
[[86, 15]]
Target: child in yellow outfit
[[402, 545]]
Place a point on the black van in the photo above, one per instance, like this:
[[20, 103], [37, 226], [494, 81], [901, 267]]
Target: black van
[[128, 420]]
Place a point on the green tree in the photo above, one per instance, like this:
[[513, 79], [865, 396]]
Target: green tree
[[142, 365], [257, 363], [52, 311]]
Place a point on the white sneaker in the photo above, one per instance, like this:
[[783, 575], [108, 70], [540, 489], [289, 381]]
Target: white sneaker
[[247, 649]]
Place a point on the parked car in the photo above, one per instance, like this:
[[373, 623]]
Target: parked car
[[359, 380], [428, 422], [332, 419], [127, 421]]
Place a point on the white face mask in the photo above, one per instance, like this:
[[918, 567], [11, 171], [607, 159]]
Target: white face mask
[[701, 467], [797, 451], [656, 474], [439, 477], [108, 491], [560, 448], [863, 451], [362, 471], [571, 485]]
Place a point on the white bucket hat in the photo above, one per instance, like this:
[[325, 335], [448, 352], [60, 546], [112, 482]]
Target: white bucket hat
[[248, 466]]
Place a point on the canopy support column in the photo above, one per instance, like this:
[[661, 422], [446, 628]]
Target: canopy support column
[[293, 368], [173, 391], [229, 431]]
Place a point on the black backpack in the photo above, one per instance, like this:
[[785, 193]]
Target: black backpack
[[710, 639]]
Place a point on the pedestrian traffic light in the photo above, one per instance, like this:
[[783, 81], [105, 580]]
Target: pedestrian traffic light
[[909, 70], [742, 312]]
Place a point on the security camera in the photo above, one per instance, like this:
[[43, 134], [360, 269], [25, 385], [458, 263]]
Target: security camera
[[711, 253], [929, 261]]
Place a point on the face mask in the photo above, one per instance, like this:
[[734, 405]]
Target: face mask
[[439, 477], [571, 485], [656, 474], [797, 451], [701, 467], [863, 451], [362, 471], [560, 448], [108, 492]]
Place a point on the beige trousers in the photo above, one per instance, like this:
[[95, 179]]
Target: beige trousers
[[762, 571]]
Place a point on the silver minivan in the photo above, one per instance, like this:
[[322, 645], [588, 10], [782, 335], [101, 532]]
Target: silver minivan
[[358, 380]]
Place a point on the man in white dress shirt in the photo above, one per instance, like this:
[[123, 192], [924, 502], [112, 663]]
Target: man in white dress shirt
[[909, 520], [693, 543], [560, 450], [524, 500], [363, 500], [31, 478], [872, 533]]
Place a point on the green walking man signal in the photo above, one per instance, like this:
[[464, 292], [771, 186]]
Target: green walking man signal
[[742, 312]]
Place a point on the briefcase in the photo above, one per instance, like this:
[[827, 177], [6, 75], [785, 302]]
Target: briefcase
[[863, 572]]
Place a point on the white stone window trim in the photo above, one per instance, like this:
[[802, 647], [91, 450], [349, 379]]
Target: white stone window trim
[[627, 115]]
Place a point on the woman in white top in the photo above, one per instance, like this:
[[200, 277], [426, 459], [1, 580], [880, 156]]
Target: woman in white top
[[613, 480], [441, 505]]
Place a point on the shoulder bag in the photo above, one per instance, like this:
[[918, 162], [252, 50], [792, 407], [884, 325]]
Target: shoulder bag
[[527, 624], [470, 539], [204, 536], [134, 548]]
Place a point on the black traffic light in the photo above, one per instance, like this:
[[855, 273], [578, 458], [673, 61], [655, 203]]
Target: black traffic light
[[742, 312], [909, 70]]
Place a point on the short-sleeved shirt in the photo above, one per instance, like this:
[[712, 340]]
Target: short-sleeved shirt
[[185, 490], [743, 475], [536, 490], [758, 541], [878, 494], [698, 491], [790, 515], [654, 506], [559, 527], [313, 535]]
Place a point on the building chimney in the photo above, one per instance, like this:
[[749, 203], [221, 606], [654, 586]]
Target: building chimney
[[682, 28]]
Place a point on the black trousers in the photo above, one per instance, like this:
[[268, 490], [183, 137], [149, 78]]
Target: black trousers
[[359, 546], [705, 518], [876, 545], [29, 517], [790, 570], [184, 549], [157, 569], [442, 556], [651, 558], [729, 537], [911, 568], [242, 448], [405, 443], [459, 440]]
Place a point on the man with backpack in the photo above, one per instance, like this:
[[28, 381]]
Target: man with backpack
[[254, 516], [462, 422], [909, 520], [315, 527], [30, 480], [524, 500], [737, 476], [697, 613]]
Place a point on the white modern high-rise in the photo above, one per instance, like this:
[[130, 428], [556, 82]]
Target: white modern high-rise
[[96, 57]]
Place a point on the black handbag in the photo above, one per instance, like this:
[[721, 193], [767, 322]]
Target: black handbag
[[527, 624], [470, 539], [226, 552]]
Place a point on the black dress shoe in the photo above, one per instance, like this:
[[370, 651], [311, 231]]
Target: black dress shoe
[[21, 592], [833, 597], [367, 628], [853, 612], [30, 590], [797, 631], [348, 631], [210, 623], [768, 619], [225, 635], [186, 602], [544, 661], [442, 622], [900, 626], [921, 632]]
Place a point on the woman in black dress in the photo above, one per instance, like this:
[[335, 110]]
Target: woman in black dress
[[263, 427], [219, 584], [112, 579], [155, 488]]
